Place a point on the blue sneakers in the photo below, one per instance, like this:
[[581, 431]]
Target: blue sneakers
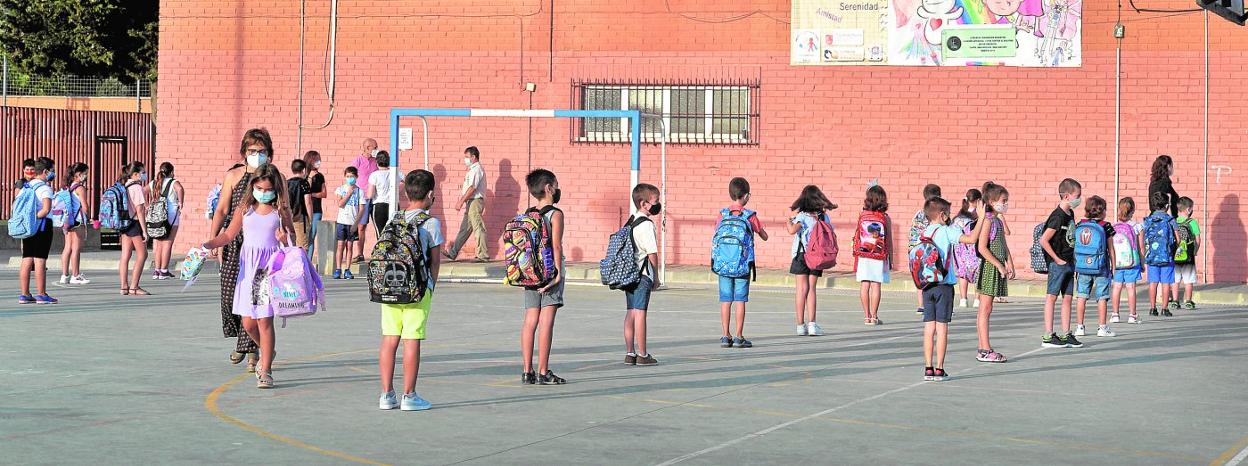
[[413, 402], [337, 274], [725, 342], [742, 343], [388, 400], [45, 299], [346, 273], [25, 299]]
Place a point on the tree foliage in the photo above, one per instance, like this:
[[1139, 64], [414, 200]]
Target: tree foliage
[[104, 38]]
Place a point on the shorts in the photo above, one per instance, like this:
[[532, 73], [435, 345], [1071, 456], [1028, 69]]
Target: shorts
[[638, 296], [368, 212], [1061, 279], [535, 299], [734, 290], [301, 233], [798, 267], [1185, 274], [346, 232], [134, 230], [1161, 274], [872, 270], [1093, 287], [1130, 276], [38, 246], [406, 321], [938, 304]]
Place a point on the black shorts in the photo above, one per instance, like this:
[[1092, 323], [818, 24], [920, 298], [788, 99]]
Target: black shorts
[[40, 244], [134, 230], [798, 267]]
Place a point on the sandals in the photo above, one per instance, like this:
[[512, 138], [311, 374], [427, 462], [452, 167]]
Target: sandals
[[528, 378], [263, 380], [125, 292], [867, 321], [252, 360], [136, 291], [237, 357], [549, 378]]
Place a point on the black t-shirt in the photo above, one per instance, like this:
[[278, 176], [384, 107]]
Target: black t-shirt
[[1164, 186], [1062, 241], [296, 188], [316, 185]]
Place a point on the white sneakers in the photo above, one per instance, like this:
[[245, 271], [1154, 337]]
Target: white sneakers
[[963, 303], [388, 400], [1132, 320], [75, 280], [1104, 331], [801, 330], [1113, 319], [1079, 331], [813, 329]]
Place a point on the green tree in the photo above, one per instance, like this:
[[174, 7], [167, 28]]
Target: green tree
[[107, 38]]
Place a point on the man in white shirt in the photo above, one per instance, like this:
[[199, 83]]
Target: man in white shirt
[[472, 202]]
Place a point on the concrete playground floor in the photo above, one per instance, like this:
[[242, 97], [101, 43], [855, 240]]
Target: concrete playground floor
[[107, 379]]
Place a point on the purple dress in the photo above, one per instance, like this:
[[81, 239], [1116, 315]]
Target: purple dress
[[259, 243]]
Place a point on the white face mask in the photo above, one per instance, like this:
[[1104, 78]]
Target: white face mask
[[317, 165], [1001, 207], [373, 152], [258, 159], [1075, 202], [468, 161]]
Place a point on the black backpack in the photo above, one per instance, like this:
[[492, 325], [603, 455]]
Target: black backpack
[[399, 269]]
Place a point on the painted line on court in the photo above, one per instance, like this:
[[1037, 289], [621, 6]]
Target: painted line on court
[[807, 418], [1239, 452]]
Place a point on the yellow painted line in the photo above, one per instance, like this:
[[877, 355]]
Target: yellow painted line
[[1231, 453]]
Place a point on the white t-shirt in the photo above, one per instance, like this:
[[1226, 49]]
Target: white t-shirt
[[349, 214], [647, 242], [383, 182], [42, 191]]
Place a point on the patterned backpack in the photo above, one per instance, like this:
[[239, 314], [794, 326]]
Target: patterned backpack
[[966, 256], [619, 268], [927, 267], [65, 207], [871, 239], [158, 214], [24, 219], [732, 247], [1126, 247], [1038, 263], [529, 250], [1185, 250], [399, 270], [1090, 250], [290, 285], [1159, 240], [115, 208]]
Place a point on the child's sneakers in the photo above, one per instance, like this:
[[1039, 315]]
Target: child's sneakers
[[1174, 305], [1072, 342], [1104, 331], [1113, 319], [413, 402], [741, 342], [63, 281], [919, 311], [813, 329], [1079, 330], [630, 359], [801, 330], [962, 303], [346, 274], [928, 373], [647, 360], [725, 342], [1166, 313], [1132, 319], [1052, 341], [388, 400], [1153, 312], [940, 374], [45, 299], [338, 275], [1189, 305], [25, 299], [79, 280]]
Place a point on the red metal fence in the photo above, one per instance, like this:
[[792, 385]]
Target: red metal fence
[[102, 140]]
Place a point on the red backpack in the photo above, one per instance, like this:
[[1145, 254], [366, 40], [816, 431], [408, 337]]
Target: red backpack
[[821, 247], [871, 239]]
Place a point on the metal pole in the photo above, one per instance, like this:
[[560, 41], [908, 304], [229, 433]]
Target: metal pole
[[1204, 261], [138, 95], [6, 79]]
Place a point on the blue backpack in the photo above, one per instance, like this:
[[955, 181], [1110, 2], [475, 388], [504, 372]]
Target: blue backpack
[[1159, 240], [732, 247], [65, 208], [115, 208], [619, 268], [24, 220], [1090, 248]]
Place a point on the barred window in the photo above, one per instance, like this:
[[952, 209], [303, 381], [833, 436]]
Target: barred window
[[689, 114]]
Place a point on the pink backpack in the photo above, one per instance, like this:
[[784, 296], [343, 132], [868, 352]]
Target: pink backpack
[[291, 285], [821, 248]]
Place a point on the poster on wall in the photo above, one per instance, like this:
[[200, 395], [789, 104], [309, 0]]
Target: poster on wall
[[1031, 33]]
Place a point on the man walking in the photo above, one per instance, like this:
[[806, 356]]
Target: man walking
[[472, 202]]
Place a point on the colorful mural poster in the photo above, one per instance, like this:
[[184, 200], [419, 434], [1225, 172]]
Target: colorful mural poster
[[1030, 33]]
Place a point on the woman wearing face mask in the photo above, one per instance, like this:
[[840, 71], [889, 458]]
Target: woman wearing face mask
[[134, 238], [316, 183], [256, 150], [1160, 182], [265, 224], [75, 228]]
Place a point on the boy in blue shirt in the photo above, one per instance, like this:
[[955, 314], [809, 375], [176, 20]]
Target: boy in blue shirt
[[735, 291], [938, 300]]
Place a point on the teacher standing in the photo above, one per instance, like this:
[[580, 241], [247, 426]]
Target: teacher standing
[[1159, 182]]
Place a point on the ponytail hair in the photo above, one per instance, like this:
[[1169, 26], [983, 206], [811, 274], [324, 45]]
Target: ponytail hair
[[166, 172], [972, 195], [993, 192]]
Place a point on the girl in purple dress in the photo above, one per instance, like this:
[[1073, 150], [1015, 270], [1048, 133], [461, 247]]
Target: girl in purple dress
[[265, 225]]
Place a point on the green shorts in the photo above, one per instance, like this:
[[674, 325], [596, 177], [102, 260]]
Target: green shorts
[[406, 321]]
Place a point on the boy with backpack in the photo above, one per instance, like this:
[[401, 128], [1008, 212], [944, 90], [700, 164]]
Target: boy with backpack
[[300, 193], [28, 222], [930, 261], [1160, 238], [1094, 253], [920, 224], [404, 282], [1057, 243], [533, 243], [732, 259], [631, 265], [1188, 233]]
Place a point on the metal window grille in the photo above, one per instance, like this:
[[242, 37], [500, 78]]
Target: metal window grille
[[718, 113]]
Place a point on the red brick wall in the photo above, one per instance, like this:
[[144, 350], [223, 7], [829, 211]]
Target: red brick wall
[[226, 66]]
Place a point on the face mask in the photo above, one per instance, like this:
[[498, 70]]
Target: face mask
[[255, 161], [317, 165], [351, 181], [554, 198], [373, 152], [143, 177], [1001, 207], [52, 175], [264, 197], [656, 208], [1075, 202], [467, 162]]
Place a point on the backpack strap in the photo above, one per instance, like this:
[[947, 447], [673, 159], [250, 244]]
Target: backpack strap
[[164, 192]]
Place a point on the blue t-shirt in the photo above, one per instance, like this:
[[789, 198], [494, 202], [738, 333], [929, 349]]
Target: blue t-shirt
[[945, 237], [807, 221]]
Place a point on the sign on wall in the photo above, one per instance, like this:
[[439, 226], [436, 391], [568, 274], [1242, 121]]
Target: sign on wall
[[1034, 33]]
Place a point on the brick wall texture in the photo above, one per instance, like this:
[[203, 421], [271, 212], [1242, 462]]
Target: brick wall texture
[[228, 65]]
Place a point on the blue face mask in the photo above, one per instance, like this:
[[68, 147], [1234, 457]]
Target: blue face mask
[[264, 197], [52, 175], [143, 177], [351, 181]]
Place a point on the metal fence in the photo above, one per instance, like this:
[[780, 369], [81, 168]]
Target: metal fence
[[714, 112], [102, 140], [15, 85]]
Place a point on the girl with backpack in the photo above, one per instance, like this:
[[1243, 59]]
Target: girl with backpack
[[1128, 263], [996, 267], [265, 224], [167, 187], [75, 227], [810, 208], [966, 259], [133, 237], [872, 252]]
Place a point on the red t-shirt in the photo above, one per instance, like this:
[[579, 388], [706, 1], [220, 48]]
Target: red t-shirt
[[755, 223]]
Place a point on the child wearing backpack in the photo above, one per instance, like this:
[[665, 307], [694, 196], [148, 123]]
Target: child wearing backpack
[[1160, 238], [873, 252], [73, 219], [534, 249], [1094, 256], [1057, 243], [996, 268], [406, 322], [1128, 236], [167, 191], [350, 209], [732, 258], [1188, 233], [935, 279], [134, 233], [810, 208], [966, 259], [920, 223], [265, 225], [32, 206], [637, 295]]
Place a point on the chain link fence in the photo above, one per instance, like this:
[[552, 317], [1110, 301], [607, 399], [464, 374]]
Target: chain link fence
[[74, 87]]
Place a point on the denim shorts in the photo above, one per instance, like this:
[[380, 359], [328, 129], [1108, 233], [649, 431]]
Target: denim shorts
[[1061, 279], [1093, 287], [734, 290], [1127, 275], [638, 296], [938, 304], [1161, 274]]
